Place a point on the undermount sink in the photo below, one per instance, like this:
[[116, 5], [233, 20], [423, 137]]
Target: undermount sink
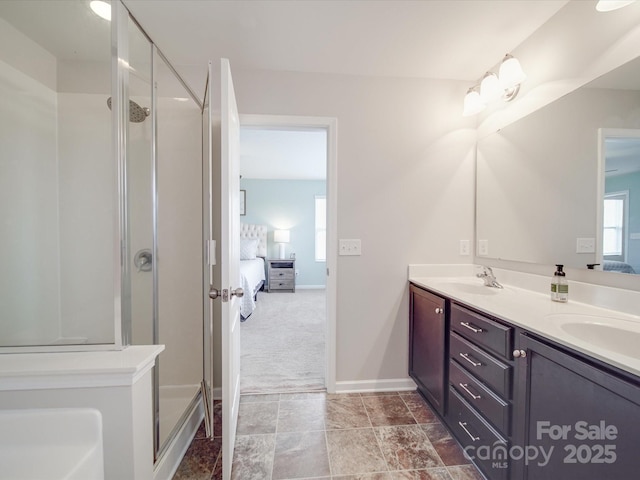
[[613, 334]]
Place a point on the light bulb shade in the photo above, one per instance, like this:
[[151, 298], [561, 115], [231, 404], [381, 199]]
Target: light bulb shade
[[511, 73], [472, 103], [102, 9], [281, 236], [610, 5], [490, 89]]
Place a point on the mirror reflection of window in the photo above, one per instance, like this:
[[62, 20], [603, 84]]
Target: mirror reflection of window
[[615, 206]]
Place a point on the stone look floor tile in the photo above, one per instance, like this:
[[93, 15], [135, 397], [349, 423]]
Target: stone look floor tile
[[386, 410], [257, 418], [346, 413], [340, 396], [364, 476], [354, 451], [447, 448], [465, 472], [301, 416], [303, 396], [300, 455], [428, 474], [407, 447], [253, 457], [419, 408], [200, 460], [216, 415]]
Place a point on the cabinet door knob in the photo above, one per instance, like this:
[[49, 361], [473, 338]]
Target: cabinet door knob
[[439, 310], [519, 354]]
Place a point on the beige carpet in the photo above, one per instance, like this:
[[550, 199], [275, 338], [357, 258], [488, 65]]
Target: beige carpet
[[282, 343]]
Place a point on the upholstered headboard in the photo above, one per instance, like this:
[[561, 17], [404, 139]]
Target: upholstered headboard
[[248, 230]]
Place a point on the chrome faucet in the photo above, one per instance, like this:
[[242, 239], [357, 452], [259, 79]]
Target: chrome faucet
[[488, 277]]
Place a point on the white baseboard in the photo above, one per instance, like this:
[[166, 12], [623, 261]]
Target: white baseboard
[[217, 393], [311, 287], [382, 385], [166, 466]]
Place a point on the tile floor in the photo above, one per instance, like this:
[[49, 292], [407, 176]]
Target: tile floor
[[390, 436]]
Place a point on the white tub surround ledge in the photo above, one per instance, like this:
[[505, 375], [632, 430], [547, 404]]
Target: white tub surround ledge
[[525, 302], [116, 383]]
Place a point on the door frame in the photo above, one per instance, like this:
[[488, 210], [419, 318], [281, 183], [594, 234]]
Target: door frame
[[331, 126]]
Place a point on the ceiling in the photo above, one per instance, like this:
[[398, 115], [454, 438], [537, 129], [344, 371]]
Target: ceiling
[[441, 39]]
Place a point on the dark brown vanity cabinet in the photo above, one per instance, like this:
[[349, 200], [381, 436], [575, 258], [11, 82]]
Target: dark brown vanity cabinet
[[427, 347], [523, 407], [579, 420]]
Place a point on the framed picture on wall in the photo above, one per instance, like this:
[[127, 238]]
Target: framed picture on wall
[[243, 202]]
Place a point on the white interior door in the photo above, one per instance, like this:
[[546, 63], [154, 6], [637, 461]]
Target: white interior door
[[229, 263]]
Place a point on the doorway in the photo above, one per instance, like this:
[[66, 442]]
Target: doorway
[[288, 183]]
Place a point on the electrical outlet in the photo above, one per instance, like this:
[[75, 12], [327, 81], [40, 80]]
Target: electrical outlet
[[464, 247], [586, 245], [350, 247], [483, 248]]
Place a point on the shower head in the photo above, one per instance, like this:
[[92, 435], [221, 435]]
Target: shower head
[[137, 114]]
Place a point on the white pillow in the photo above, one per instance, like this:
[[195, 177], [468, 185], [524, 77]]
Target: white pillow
[[248, 248]]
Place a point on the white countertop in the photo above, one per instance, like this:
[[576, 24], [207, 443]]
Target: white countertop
[[25, 371], [534, 311]]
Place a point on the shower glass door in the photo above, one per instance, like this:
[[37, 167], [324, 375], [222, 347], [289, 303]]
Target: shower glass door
[[179, 248]]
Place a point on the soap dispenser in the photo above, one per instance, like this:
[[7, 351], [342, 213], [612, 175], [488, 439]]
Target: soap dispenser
[[559, 285]]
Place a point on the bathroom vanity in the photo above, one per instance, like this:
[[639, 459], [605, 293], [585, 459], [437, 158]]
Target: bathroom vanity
[[511, 375]]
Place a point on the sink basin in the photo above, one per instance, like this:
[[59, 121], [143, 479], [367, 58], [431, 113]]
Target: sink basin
[[56, 444], [610, 337], [610, 333]]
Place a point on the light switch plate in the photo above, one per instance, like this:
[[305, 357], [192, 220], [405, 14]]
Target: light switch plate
[[350, 246]]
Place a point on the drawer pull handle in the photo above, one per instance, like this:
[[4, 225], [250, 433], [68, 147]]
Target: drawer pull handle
[[465, 386], [470, 360], [464, 427], [473, 328]]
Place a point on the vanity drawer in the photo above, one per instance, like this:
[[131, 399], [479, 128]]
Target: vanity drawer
[[482, 330], [494, 409], [473, 432], [482, 365]]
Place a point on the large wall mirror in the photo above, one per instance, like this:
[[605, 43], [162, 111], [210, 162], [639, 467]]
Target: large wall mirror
[[562, 185]]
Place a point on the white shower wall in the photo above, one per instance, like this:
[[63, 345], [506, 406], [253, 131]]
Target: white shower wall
[[57, 184]]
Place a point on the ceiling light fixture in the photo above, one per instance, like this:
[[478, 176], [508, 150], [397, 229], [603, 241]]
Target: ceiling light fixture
[[102, 9], [505, 86], [610, 5]]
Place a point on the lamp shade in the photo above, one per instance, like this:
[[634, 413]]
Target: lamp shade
[[511, 73], [472, 103], [490, 89], [610, 5], [281, 236]]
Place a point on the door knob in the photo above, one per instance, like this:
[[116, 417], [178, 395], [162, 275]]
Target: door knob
[[238, 292], [214, 293]]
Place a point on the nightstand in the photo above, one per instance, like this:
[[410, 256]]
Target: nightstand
[[281, 275]]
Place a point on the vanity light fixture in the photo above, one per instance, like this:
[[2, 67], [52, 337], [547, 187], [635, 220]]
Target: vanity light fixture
[[100, 8], [610, 5], [505, 85], [473, 104]]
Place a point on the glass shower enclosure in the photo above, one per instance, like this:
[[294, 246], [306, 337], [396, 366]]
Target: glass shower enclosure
[[101, 196]]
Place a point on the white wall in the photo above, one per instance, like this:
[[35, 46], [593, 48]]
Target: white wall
[[405, 187]]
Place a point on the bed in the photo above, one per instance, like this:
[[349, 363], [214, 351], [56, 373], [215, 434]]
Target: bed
[[253, 250], [613, 266]]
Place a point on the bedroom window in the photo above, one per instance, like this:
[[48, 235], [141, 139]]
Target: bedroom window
[[321, 228], [614, 220]]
